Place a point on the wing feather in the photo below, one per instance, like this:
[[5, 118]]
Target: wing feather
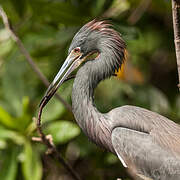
[[143, 156], [163, 131]]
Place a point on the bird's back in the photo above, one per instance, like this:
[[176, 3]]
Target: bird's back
[[148, 143]]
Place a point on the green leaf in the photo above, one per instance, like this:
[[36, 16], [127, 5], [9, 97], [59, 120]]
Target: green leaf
[[111, 159], [53, 110], [9, 165], [62, 131], [20, 122], [12, 135], [3, 144], [6, 119], [5, 46], [13, 83], [25, 104], [25, 119], [4, 36], [31, 128], [31, 166]]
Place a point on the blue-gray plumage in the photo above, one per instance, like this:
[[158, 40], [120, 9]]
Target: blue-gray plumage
[[147, 144]]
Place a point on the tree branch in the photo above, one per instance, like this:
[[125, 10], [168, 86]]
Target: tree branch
[[28, 56], [47, 140], [176, 26]]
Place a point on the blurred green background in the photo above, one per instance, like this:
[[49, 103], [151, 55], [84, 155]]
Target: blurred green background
[[46, 28]]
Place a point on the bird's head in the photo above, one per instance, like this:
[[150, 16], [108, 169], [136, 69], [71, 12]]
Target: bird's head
[[95, 37]]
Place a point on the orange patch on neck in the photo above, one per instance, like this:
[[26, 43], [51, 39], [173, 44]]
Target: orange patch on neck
[[128, 72], [120, 72]]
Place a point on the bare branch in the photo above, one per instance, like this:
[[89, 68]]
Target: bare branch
[[176, 26], [28, 56], [48, 141]]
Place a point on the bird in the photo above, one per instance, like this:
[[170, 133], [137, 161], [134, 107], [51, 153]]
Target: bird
[[146, 143]]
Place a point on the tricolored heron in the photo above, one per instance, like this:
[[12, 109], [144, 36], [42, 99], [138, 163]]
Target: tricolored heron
[[146, 143]]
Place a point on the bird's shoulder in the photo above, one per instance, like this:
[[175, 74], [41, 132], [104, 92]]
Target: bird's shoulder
[[135, 118], [139, 119], [163, 131]]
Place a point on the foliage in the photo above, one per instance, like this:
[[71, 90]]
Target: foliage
[[46, 28]]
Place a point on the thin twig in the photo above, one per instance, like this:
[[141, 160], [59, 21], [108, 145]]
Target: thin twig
[[48, 141], [176, 26], [28, 56], [139, 11]]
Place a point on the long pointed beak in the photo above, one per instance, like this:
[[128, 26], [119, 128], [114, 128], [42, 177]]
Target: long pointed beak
[[71, 63]]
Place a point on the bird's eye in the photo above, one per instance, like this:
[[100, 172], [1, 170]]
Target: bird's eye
[[76, 50]]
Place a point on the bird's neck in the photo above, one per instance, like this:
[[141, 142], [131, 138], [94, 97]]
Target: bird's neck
[[92, 122]]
